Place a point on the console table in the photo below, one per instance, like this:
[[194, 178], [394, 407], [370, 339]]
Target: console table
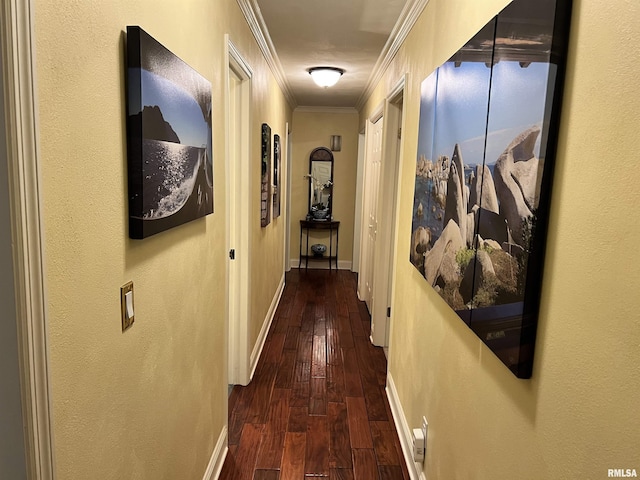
[[332, 226]]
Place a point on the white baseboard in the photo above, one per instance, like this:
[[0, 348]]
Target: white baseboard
[[321, 264], [404, 432], [217, 457], [262, 337]]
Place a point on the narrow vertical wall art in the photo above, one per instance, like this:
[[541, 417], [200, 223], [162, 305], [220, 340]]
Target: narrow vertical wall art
[[170, 167], [486, 153], [276, 175], [265, 184]]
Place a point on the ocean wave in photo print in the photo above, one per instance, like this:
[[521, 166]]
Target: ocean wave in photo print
[[170, 171]]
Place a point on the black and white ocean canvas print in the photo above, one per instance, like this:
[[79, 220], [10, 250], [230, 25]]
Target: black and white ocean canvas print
[[169, 138]]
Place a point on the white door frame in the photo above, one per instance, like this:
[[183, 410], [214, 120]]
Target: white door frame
[[13, 462], [357, 231], [387, 213], [287, 203], [237, 181], [24, 190]]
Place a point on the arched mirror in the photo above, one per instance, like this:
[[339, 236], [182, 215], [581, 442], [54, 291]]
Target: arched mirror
[[320, 183]]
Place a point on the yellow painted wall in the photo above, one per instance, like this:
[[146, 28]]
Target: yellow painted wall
[[578, 416], [266, 250], [312, 129], [149, 403]]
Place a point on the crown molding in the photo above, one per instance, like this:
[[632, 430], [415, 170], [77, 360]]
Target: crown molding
[[311, 109], [406, 21], [258, 27]]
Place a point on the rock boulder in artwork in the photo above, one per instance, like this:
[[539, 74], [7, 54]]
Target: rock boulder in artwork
[[516, 178]]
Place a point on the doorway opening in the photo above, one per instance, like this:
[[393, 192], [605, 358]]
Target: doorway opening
[[238, 98], [382, 313], [383, 153]]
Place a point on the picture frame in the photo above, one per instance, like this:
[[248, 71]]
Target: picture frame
[[277, 149], [265, 172], [487, 140], [169, 138]]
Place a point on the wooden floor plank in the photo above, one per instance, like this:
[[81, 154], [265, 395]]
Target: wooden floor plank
[[334, 355], [266, 475], [317, 454], [364, 464], [238, 414], [260, 400], [340, 443], [319, 357], [305, 346], [286, 370], [318, 396], [383, 435], [280, 323], [359, 431], [242, 464], [273, 352], [356, 325], [278, 412], [341, 474], [291, 341], [352, 379], [298, 419], [293, 456], [271, 448], [335, 383], [344, 330], [320, 324], [308, 318], [391, 472], [300, 390]]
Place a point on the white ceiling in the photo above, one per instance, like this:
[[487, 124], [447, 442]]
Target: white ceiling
[[359, 36]]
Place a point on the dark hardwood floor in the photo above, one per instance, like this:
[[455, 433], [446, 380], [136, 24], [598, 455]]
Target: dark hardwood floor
[[316, 407]]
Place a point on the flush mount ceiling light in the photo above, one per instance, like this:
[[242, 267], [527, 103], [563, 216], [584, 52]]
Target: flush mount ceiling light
[[325, 76]]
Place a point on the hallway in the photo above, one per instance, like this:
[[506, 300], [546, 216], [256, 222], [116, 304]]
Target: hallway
[[316, 407]]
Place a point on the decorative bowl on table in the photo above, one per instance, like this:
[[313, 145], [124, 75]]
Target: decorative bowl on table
[[318, 249], [320, 214]]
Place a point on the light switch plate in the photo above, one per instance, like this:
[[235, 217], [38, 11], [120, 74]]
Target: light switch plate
[[126, 320]]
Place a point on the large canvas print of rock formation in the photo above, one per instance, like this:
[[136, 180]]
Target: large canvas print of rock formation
[[169, 138], [486, 148]]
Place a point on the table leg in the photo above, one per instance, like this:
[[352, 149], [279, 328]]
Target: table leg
[[330, 245], [337, 241], [306, 263]]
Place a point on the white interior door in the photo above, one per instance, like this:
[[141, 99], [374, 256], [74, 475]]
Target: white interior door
[[373, 164], [237, 164]]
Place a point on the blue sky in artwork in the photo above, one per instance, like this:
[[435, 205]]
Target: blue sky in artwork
[[178, 108], [517, 103]]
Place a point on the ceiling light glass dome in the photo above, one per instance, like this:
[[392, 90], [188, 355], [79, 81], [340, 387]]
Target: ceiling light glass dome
[[325, 76]]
